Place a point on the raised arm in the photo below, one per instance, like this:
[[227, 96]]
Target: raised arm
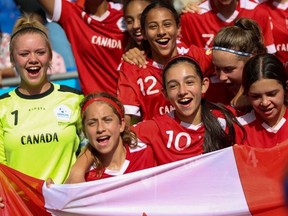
[[48, 6]]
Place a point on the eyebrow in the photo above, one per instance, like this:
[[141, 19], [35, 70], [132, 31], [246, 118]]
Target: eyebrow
[[269, 92], [185, 78]]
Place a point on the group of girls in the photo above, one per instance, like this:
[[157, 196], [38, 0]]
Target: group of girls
[[193, 125]]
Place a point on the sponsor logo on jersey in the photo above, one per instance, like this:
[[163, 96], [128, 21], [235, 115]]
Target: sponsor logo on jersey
[[63, 112], [106, 42], [39, 138]]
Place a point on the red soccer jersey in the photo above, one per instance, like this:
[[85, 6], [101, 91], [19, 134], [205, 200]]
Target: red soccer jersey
[[200, 29], [138, 158], [171, 139], [141, 90], [97, 43], [279, 18], [261, 135], [218, 92]]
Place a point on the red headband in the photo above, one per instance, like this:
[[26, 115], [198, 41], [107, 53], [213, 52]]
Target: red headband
[[107, 100]]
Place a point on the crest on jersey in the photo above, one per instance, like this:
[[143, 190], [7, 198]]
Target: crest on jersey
[[121, 24], [208, 52], [63, 112]]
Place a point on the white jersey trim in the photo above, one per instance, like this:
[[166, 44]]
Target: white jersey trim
[[118, 172], [205, 7], [230, 19], [116, 6], [250, 117], [57, 11], [222, 122], [140, 146], [100, 18], [281, 6], [190, 126], [271, 49], [247, 118], [132, 110], [276, 128], [157, 65], [247, 4]]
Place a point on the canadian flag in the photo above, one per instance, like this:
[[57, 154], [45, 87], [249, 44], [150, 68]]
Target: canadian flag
[[238, 180]]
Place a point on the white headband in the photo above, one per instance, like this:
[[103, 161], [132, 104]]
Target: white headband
[[231, 51]]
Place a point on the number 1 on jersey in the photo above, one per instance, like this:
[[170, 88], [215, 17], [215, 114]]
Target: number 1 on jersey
[[15, 113]]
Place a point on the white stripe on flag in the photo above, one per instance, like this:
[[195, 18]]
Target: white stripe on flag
[[205, 185]]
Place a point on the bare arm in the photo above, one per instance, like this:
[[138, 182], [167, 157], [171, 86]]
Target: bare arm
[[48, 6], [83, 162], [78, 170]]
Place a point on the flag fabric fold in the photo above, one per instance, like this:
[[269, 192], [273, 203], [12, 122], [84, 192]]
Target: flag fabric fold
[[21, 193], [262, 177], [238, 180]]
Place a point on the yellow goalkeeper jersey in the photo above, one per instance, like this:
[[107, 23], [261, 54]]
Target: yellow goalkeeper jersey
[[40, 134]]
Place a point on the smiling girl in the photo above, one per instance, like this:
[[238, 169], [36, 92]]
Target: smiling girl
[[40, 121], [265, 85], [233, 46], [140, 89], [196, 126], [132, 10]]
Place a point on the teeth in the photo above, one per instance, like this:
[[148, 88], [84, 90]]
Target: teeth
[[102, 138], [33, 68], [162, 40], [138, 34], [184, 100]]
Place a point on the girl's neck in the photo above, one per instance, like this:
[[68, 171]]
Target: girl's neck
[[116, 160], [226, 10], [163, 59], [31, 90], [97, 9], [192, 119]]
